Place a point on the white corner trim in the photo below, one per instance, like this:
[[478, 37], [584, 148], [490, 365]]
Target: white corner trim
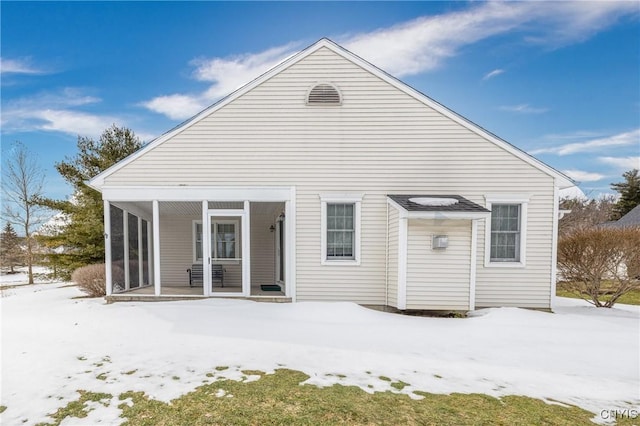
[[473, 266], [290, 246], [356, 199], [523, 200], [403, 224], [554, 246]]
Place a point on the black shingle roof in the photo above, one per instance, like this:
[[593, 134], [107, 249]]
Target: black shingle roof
[[463, 205]]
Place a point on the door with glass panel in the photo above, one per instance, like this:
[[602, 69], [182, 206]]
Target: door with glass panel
[[225, 254]]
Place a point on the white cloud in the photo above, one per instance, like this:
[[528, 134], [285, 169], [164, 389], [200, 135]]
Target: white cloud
[[177, 107], [18, 66], [425, 43], [626, 163], [523, 109], [54, 111], [622, 139], [493, 73], [226, 76], [412, 47], [582, 176]]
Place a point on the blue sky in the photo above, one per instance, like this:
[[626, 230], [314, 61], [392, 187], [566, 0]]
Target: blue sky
[[560, 80]]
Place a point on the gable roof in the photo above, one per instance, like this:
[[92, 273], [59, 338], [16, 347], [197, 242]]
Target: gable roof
[[632, 218], [562, 181]]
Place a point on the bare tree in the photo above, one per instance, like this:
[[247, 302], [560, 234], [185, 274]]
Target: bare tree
[[22, 184], [585, 213], [600, 264]]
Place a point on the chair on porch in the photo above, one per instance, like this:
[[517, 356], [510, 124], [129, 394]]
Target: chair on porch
[[196, 275]]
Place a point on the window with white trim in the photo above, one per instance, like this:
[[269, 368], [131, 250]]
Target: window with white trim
[[224, 238], [505, 233], [505, 240], [340, 229]]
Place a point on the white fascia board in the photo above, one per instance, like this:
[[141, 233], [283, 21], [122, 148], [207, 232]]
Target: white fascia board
[[195, 193], [448, 215], [405, 214]]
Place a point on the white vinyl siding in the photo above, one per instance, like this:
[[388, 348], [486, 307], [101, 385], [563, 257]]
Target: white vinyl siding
[[438, 279], [379, 141]]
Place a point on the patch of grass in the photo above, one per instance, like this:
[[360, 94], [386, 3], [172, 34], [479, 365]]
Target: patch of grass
[[3, 408], [278, 399], [76, 408], [437, 376], [385, 378], [221, 368], [631, 298], [399, 385], [81, 358], [102, 376], [130, 372], [176, 377]]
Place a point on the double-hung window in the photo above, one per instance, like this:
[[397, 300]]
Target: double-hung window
[[340, 228], [341, 231], [505, 233], [506, 230]]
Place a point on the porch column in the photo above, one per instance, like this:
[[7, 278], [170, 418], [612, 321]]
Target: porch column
[[107, 247], [140, 257], [150, 252], [156, 247], [125, 227], [473, 266], [206, 250], [246, 250]]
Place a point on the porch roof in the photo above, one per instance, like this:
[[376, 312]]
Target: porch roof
[[438, 206]]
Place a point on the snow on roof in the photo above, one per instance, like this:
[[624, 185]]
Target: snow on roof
[[436, 203]]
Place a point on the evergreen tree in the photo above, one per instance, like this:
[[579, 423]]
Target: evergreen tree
[[10, 250], [83, 235], [629, 194]]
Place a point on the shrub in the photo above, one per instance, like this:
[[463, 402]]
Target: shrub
[[91, 279], [600, 264]]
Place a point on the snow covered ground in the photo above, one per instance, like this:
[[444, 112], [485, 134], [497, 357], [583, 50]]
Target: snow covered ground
[[54, 344], [21, 276]]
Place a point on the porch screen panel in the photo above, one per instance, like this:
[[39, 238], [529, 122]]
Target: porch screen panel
[[134, 271], [145, 252], [117, 249]]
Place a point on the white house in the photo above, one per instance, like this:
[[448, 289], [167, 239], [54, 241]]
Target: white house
[[328, 179]]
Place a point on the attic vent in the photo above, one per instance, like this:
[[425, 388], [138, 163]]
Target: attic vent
[[323, 94]]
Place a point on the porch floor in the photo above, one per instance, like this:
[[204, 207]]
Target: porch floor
[[195, 292]]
